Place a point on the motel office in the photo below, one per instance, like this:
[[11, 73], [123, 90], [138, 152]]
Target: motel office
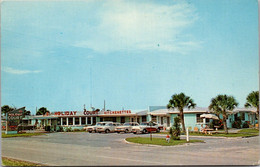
[[158, 114]]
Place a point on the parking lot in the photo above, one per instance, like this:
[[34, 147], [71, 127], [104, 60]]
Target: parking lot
[[82, 148]]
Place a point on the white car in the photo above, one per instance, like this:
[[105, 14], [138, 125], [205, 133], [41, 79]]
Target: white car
[[127, 127], [107, 127], [91, 129]]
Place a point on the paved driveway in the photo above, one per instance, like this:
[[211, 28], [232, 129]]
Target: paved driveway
[[84, 149]]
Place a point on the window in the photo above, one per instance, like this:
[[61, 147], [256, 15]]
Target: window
[[77, 121], [242, 116], [143, 118], [122, 120], [64, 121], [199, 119], [207, 120], [70, 121], [83, 120], [59, 121], [94, 120], [89, 120], [154, 119]]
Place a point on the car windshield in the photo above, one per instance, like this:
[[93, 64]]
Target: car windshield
[[100, 124], [126, 124], [108, 124], [144, 123]]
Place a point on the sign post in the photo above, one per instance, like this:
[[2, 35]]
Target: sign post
[[187, 135], [13, 119]]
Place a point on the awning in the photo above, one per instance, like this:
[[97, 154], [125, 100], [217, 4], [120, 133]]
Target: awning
[[210, 116]]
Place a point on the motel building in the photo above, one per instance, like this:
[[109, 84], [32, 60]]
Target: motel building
[[158, 114]]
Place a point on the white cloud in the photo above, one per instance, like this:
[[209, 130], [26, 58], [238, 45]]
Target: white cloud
[[19, 72], [125, 25]]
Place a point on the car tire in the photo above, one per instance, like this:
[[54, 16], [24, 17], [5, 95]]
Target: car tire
[[134, 132], [90, 131], [118, 132], [106, 131], [126, 131], [144, 131], [99, 132], [158, 130]]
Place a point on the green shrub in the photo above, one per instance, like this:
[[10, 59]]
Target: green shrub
[[68, 129], [175, 130], [245, 125], [61, 129], [76, 130], [47, 128], [237, 124]]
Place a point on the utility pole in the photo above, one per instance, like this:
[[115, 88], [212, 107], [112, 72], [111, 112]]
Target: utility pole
[[104, 105], [90, 86]]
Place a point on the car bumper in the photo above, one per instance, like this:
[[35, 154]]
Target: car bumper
[[136, 131], [119, 130]]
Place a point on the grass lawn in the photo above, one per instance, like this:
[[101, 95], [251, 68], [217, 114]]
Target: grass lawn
[[249, 131], [241, 133], [13, 162], [159, 141], [21, 135]]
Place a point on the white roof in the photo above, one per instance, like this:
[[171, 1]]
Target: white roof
[[176, 111], [192, 110]]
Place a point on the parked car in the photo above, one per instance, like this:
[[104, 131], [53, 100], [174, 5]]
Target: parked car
[[91, 129], [107, 127], [146, 127], [126, 127]]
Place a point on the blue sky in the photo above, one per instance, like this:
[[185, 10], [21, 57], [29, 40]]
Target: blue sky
[[133, 54]]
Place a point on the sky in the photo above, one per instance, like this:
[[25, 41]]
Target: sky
[[132, 54]]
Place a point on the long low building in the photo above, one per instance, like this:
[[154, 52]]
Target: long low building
[[158, 114]]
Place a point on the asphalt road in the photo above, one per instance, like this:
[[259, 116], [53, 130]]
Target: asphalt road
[[85, 149]]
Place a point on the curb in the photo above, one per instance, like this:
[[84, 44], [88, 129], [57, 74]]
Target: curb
[[199, 136], [152, 145], [35, 162]]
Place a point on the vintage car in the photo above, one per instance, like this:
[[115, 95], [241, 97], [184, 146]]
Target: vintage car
[[126, 127], [107, 127], [91, 129], [147, 127]]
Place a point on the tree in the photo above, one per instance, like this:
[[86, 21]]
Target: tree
[[175, 130], [180, 101], [221, 104], [42, 111], [5, 109], [252, 100], [26, 112]]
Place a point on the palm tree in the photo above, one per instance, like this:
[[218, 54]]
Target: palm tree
[[221, 105], [252, 100], [42, 111], [180, 101], [5, 109]]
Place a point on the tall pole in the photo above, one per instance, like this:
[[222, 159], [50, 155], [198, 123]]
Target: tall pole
[[104, 105], [90, 86]]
